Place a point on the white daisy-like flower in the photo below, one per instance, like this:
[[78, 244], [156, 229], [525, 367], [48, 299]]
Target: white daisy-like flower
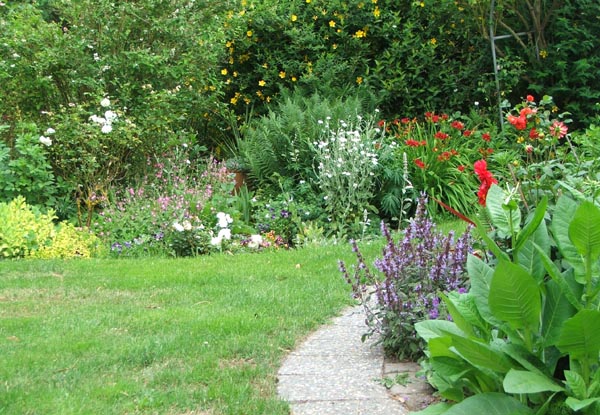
[[105, 103], [45, 141]]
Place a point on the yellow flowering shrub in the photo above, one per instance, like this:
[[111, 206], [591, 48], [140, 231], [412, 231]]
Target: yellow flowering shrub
[[69, 242], [23, 229]]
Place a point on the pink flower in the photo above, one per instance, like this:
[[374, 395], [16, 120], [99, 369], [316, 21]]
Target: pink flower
[[558, 129]]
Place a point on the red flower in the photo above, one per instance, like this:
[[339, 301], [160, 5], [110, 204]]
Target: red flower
[[412, 143], [457, 124], [381, 123], [461, 168], [530, 98], [405, 120], [467, 133], [486, 178], [419, 163], [441, 135], [519, 122], [445, 156], [533, 134], [486, 137]]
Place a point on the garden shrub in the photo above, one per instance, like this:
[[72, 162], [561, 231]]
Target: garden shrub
[[414, 274], [23, 228], [414, 55], [156, 64], [70, 242], [25, 168]]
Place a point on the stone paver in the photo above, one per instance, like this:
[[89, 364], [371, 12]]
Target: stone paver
[[334, 373]]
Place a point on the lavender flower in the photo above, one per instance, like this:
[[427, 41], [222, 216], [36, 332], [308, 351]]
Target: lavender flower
[[410, 275]]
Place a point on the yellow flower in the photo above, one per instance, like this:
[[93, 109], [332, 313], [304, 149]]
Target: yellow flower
[[244, 3], [294, 79], [334, 46], [231, 60], [308, 1], [294, 17], [360, 33], [359, 80], [265, 65], [261, 82], [268, 99], [282, 74], [374, 1], [247, 100], [249, 33], [520, 140], [331, 23], [235, 74], [543, 53], [233, 100], [228, 44], [224, 71], [433, 41], [376, 12], [422, 4]]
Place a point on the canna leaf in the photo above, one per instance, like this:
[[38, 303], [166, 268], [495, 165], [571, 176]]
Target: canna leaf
[[580, 335], [584, 230], [523, 381], [491, 403], [515, 297]]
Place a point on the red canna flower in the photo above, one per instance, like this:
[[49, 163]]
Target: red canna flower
[[485, 177]]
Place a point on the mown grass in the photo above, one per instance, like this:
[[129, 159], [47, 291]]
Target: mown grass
[[157, 336]]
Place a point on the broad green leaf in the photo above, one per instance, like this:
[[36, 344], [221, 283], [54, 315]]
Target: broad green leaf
[[506, 220], [580, 336], [462, 315], [490, 404], [428, 329], [440, 347], [531, 226], [564, 211], [523, 356], [489, 242], [560, 279], [437, 409], [522, 381], [578, 405], [584, 230], [576, 383], [556, 310], [529, 258], [481, 355], [480, 275], [515, 297]]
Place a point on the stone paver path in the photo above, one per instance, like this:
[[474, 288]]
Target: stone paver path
[[334, 373]]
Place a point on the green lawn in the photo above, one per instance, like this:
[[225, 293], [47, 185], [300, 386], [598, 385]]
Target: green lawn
[[203, 335]]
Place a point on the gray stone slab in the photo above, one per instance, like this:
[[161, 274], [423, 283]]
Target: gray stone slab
[[350, 407], [334, 386], [325, 364]]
